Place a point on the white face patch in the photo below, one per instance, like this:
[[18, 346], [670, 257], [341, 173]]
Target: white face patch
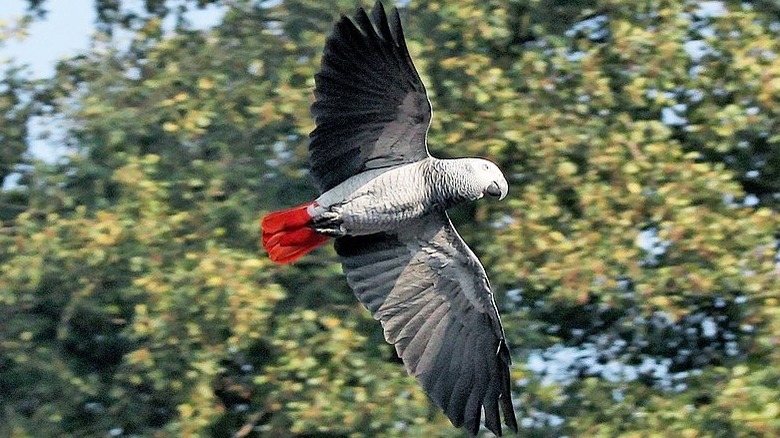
[[487, 174]]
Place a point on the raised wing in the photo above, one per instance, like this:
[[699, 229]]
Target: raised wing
[[432, 296], [371, 108]]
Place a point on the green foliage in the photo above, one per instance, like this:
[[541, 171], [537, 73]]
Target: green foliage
[[14, 128], [134, 299]]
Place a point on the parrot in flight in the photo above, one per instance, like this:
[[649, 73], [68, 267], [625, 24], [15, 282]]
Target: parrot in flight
[[384, 201]]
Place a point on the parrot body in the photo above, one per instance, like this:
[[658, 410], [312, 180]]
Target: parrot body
[[384, 200]]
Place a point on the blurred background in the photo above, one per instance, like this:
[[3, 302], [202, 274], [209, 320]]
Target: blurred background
[[635, 261]]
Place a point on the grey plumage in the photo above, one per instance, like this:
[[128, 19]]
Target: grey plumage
[[458, 180], [385, 198], [371, 107], [433, 298]]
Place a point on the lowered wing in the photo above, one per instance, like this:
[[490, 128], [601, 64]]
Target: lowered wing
[[432, 296], [371, 109]]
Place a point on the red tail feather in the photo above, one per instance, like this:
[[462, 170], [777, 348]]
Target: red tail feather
[[287, 236]]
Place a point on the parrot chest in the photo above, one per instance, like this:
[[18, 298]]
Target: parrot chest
[[376, 201]]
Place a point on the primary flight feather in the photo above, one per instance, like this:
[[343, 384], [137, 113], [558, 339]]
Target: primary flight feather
[[384, 200]]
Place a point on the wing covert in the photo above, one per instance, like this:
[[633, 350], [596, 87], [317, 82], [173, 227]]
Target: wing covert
[[371, 108], [433, 299]]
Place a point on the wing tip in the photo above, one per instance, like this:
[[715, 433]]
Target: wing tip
[[504, 362]]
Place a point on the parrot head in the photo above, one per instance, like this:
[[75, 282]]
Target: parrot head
[[488, 178]]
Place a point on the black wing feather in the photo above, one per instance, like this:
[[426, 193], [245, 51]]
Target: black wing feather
[[440, 314], [371, 108]]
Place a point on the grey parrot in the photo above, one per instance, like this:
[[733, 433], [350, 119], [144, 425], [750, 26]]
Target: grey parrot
[[384, 200]]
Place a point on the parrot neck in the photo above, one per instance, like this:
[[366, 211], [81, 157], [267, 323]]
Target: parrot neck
[[450, 182]]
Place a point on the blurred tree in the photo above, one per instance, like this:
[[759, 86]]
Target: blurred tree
[[16, 109], [635, 261]]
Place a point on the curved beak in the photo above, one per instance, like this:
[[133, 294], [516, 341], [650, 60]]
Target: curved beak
[[498, 189]]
